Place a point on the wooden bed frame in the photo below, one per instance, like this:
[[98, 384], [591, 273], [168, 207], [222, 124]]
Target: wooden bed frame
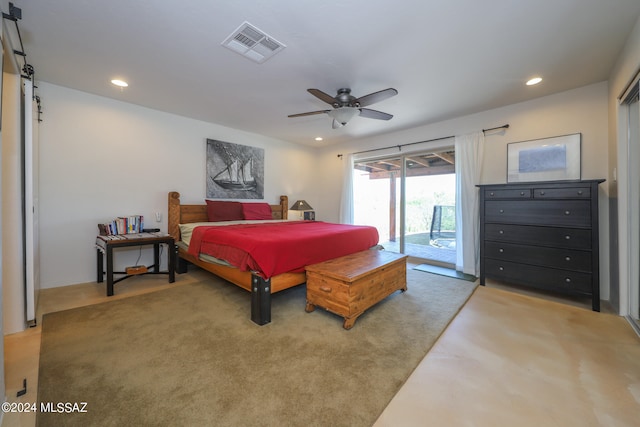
[[260, 288]]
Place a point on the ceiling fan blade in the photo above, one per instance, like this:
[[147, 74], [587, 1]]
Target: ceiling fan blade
[[322, 96], [372, 98], [374, 114], [310, 113]]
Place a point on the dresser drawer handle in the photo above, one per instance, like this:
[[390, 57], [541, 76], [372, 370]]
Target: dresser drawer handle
[[568, 280], [501, 210], [567, 237], [567, 212], [567, 258], [492, 194], [325, 289], [501, 268], [501, 232], [501, 250], [579, 192], [542, 193], [522, 193]]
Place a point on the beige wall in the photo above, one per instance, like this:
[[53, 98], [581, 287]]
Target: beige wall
[[582, 110], [626, 67], [101, 158]]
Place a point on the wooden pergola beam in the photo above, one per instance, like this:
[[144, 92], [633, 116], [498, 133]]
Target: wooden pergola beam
[[446, 157], [394, 163], [422, 162], [421, 171], [374, 166]]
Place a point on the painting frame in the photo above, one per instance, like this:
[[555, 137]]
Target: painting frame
[[555, 158], [234, 171]]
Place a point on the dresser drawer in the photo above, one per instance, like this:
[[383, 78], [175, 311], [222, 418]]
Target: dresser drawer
[[571, 238], [572, 213], [539, 277], [567, 259], [524, 193], [562, 193]]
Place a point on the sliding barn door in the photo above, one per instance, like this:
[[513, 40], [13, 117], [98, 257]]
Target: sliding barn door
[[31, 246]]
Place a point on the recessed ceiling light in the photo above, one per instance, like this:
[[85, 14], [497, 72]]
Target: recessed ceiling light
[[534, 81], [318, 138], [119, 83]]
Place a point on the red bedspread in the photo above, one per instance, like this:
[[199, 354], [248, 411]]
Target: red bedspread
[[274, 248]]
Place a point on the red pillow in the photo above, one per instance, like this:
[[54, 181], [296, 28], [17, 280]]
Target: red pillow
[[218, 210], [256, 211]]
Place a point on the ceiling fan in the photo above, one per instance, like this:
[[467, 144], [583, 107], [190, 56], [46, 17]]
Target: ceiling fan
[[346, 106]]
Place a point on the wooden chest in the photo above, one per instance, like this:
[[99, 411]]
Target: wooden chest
[[349, 285]]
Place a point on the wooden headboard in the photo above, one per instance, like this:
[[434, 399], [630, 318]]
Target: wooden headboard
[[183, 214]]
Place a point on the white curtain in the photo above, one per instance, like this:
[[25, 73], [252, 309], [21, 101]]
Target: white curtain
[[469, 152], [346, 204]]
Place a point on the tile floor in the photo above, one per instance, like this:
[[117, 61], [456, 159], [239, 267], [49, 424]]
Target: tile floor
[[509, 359]]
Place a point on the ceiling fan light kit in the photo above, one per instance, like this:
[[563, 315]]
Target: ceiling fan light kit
[[346, 106], [343, 114]]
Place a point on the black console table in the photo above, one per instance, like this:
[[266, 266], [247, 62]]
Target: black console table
[[106, 244]]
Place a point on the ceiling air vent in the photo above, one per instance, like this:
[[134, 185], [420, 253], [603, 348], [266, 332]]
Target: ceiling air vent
[[252, 43]]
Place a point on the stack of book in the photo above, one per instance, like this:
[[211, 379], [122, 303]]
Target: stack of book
[[122, 225]]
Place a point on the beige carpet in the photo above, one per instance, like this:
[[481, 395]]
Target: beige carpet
[[190, 356]]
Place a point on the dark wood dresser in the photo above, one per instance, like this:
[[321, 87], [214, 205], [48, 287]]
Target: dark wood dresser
[[542, 235]]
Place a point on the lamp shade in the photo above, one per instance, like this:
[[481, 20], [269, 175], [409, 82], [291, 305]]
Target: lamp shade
[[343, 114], [301, 205]]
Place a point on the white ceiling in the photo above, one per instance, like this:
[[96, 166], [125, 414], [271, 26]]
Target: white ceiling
[[446, 59]]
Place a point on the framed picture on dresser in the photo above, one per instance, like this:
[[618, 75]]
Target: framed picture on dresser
[[547, 159]]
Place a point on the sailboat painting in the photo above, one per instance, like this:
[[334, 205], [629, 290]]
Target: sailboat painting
[[234, 171]]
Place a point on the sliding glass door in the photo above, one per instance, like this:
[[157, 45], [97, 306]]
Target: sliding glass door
[[430, 212], [376, 198], [411, 200]]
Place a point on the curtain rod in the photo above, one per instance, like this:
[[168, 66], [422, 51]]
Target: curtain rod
[[422, 142]]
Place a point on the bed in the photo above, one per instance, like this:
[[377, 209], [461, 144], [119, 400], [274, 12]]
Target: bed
[[269, 270]]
